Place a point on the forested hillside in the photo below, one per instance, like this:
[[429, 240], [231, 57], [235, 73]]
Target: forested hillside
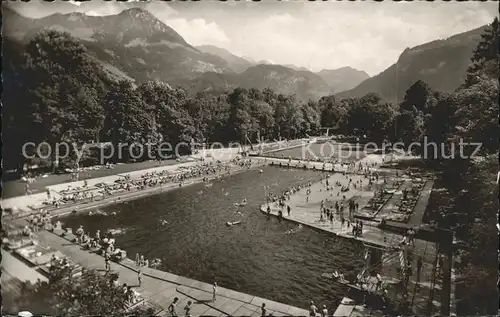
[[442, 64]]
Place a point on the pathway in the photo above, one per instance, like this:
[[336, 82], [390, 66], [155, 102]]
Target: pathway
[[26, 205], [12, 267], [161, 287], [349, 308], [307, 213]]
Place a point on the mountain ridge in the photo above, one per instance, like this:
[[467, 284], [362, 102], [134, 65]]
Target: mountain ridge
[[344, 78], [236, 63], [441, 63], [134, 44], [133, 41]]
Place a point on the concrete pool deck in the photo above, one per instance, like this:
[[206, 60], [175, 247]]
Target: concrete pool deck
[[306, 212], [329, 167], [349, 308], [24, 203], [160, 288]]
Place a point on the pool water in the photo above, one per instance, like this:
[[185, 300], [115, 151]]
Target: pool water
[[255, 257]]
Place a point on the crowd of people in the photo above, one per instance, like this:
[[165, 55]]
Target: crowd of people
[[205, 171], [40, 220], [332, 209], [141, 261], [315, 312]]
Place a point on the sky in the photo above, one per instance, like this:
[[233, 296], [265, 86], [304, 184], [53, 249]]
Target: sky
[[365, 35]]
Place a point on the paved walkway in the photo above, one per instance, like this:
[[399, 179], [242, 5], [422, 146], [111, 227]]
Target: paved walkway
[[349, 308], [161, 287], [307, 213], [329, 167], [12, 267], [25, 204]]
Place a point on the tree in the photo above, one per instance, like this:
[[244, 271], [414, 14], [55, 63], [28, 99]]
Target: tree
[[477, 114], [241, 122], [333, 114], [370, 116], [86, 295], [210, 115], [486, 51], [420, 96], [128, 118], [264, 114], [60, 91], [440, 123], [409, 126], [169, 107], [16, 116], [312, 118], [288, 117]]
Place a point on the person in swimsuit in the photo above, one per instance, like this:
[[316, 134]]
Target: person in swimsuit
[[187, 309], [171, 307], [324, 311], [139, 276], [263, 310], [214, 292], [313, 310]]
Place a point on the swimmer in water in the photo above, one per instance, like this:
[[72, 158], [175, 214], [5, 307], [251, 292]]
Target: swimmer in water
[[163, 222]]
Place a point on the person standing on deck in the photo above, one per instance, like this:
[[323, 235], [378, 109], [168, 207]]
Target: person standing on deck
[[139, 276], [313, 310], [288, 209], [263, 310], [172, 306], [106, 262], [187, 309], [214, 291], [324, 311]]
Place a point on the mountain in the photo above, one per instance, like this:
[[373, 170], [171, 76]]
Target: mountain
[[135, 45], [344, 78], [133, 41], [296, 68], [263, 62], [442, 64], [235, 63], [304, 84]]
